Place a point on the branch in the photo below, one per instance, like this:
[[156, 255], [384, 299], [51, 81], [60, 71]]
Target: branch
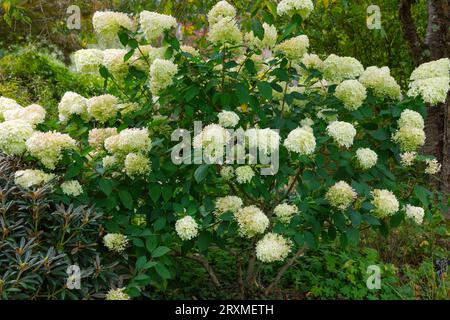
[[436, 37], [202, 260], [283, 269], [410, 32]]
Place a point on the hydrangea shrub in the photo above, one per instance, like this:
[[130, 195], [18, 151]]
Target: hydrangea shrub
[[347, 139]]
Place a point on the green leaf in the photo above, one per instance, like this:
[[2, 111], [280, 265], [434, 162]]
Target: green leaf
[[160, 251], [167, 192], [242, 93], [201, 172], [204, 240], [265, 89], [140, 262], [422, 194], [191, 93], [162, 271], [154, 191], [151, 242], [105, 186], [159, 224], [126, 199]]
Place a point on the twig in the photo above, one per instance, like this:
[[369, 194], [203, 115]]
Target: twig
[[202, 260]]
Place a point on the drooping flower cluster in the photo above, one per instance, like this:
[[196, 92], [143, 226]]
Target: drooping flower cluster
[[410, 135], [407, 158], [73, 104], [367, 158], [225, 32], [251, 221], [244, 174], [97, 136], [352, 93], [342, 132], [380, 81], [337, 69], [117, 294], [33, 114], [7, 104], [154, 24], [433, 166], [228, 119], [103, 108], [72, 188], [113, 60], [88, 60], [300, 141], [161, 75], [285, 212], [186, 228], [220, 10], [415, 213], [31, 177], [268, 41], [431, 80], [385, 203], [107, 25], [136, 164], [116, 242], [13, 135], [290, 7], [312, 61], [227, 204], [341, 195], [273, 247], [47, 147], [294, 48], [227, 172]]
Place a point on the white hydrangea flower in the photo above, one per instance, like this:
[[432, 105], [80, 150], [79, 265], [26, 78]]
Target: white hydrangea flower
[[102, 108], [433, 166], [47, 147], [312, 61], [290, 7], [113, 60], [432, 90], [128, 108], [228, 119], [7, 104], [72, 188], [273, 247], [352, 93], [342, 132], [30, 177], [285, 212], [227, 204], [72, 104], [341, 195], [136, 164], [381, 82], [407, 158], [154, 24], [294, 48], [251, 221], [244, 174], [268, 41], [117, 294], [225, 32], [161, 75], [97, 136], [307, 122], [220, 10], [385, 203], [34, 114], [109, 162], [301, 141], [107, 25], [129, 140], [337, 69], [409, 138], [415, 213], [88, 60], [410, 118], [227, 172], [146, 55], [13, 135], [116, 242], [191, 50], [367, 158], [433, 69], [212, 139], [186, 228], [265, 140]]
